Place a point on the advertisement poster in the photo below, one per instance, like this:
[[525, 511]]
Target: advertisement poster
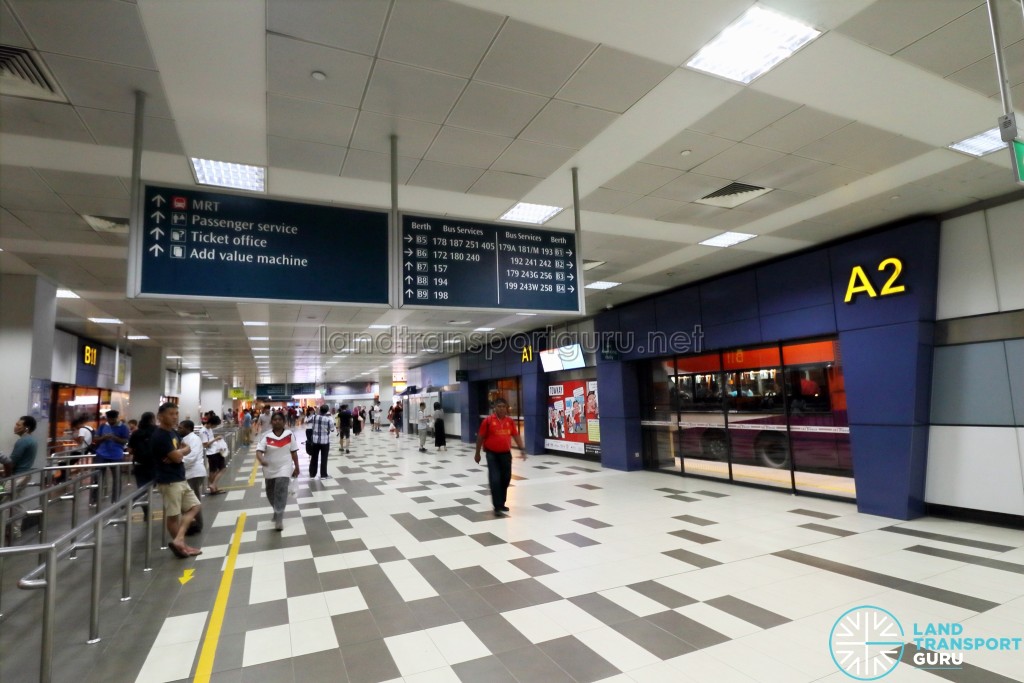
[[573, 413]]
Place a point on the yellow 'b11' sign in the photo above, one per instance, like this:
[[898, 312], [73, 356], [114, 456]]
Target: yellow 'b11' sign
[[90, 355]]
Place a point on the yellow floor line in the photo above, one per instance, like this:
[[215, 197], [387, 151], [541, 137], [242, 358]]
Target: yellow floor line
[[206, 657], [252, 480]]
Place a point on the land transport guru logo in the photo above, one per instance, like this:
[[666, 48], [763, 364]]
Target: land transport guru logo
[[867, 643]]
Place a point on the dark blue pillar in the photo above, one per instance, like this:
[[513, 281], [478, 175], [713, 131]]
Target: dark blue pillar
[[619, 400], [535, 411]]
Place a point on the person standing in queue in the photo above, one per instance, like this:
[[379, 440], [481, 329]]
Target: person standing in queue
[[497, 432], [180, 504]]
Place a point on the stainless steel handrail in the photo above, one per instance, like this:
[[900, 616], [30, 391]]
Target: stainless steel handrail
[[64, 545]]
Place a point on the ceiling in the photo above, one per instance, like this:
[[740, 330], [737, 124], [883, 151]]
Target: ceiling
[[493, 102]]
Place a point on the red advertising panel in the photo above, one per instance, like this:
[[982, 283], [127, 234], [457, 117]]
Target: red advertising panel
[[572, 421]]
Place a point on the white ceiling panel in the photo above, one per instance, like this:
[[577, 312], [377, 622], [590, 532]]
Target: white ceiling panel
[[690, 187], [445, 176], [729, 219], [650, 207], [311, 121], [42, 119], [99, 85], [116, 129], [567, 125], [105, 30], [642, 178], [11, 227], [892, 25], [290, 64], [603, 200], [533, 59], [99, 206], [612, 79], [312, 157], [500, 184], [84, 183], [354, 25], [950, 48], [20, 179], [373, 133], [796, 129], [976, 178], [981, 76], [405, 91], [11, 32], [744, 115], [17, 202], [823, 180], [738, 161], [532, 158], [376, 166], [692, 214], [863, 148], [466, 147], [439, 35], [688, 149], [491, 109], [781, 173]]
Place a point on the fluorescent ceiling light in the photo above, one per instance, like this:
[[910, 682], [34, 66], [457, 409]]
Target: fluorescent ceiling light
[[226, 174], [380, 327], [262, 348], [752, 45], [728, 239], [259, 338], [173, 357], [483, 329], [261, 356], [106, 321], [526, 314], [450, 341], [531, 213], [137, 337], [981, 144], [254, 323], [590, 265], [66, 294], [601, 284]]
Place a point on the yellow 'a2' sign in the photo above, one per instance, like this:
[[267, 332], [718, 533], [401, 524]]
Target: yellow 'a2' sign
[[860, 284]]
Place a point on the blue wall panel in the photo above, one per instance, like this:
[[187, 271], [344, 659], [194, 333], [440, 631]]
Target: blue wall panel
[[535, 410], [621, 443], [889, 469], [802, 281], [678, 311], [807, 322], [640, 320], [880, 368], [728, 299], [739, 333]]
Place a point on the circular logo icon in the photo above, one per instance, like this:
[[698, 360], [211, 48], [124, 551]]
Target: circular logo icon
[[866, 643]]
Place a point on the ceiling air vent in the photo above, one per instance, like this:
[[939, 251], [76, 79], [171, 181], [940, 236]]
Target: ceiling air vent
[[200, 314], [23, 74], [732, 195]]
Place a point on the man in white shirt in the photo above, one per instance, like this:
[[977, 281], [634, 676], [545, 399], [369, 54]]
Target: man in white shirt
[[195, 467]]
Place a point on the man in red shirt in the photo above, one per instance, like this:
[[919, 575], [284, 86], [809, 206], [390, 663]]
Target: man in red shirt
[[496, 434]]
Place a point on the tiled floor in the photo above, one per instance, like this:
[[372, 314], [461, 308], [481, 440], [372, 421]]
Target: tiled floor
[[395, 570]]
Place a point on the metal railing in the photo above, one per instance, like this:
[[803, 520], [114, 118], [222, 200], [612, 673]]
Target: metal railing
[[85, 536]]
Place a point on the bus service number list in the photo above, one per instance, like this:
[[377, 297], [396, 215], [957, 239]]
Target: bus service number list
[[449, 263]]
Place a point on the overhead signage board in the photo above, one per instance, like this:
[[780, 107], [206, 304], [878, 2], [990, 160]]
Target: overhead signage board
[[198, 244], [454, 263]]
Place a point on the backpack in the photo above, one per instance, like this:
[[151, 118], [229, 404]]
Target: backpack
[[91, 448], [142, 455]]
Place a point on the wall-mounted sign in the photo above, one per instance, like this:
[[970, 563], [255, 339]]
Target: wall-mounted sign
[[859, 282], [454, 263], [90, 354], [201, 244], [573, 425], [527, 356]]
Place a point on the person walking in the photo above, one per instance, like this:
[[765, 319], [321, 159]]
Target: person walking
[[396, 418], [440, 438], [345, 420], [497, 432], [423, 426], [22, 461], [278, 452], [321, 426]]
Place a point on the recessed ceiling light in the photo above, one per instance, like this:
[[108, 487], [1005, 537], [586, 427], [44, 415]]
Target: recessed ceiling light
[[259, 338], [685, 153], [601, 284], [531, 213], [590, 265], [137, 337], [173, 357], [752, 45], [380, 327], [318, 76], [727, 239], [483, 329], [450, 341], [66, 294], [261, 356], [226, 174], [459, 322], [980, 144], [262, 348], [254, 323], [106, 321], [525, 314]]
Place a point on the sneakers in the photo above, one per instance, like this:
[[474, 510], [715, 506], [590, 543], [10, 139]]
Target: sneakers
[[346, 451], [503, 509], [278, 524]]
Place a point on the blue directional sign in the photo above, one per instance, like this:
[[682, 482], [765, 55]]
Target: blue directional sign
[[453, 263], [215, 245]]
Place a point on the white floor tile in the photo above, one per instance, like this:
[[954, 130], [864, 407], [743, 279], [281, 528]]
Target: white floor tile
[[569, 616], [167, 663], [620, 651], [267, 645], [306, 607], [344, 600], [314, 635], [182, 629], [457, 643], [534, 624], [414, 652], [638, 604]]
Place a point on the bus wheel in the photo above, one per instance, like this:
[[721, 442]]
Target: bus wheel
[[714, 445], [771, 450]]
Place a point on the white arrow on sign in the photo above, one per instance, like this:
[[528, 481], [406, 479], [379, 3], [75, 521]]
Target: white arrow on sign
[[571, 276], [409, 293], [408, 278], [157, 216], [408, 238], [569, 265], [408, 252], [571, 289], [156, 232], [568, 252], [159, 200], [156, 249], [408, 266]]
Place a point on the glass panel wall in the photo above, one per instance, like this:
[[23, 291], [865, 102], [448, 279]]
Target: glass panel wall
[[774, 416]]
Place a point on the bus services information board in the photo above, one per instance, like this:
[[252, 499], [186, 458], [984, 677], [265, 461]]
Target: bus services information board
[[453, 263], [205, 244]]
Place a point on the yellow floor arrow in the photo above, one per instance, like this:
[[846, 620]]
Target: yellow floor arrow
[[186, 576]]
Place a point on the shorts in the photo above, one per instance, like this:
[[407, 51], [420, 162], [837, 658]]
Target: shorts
[[216, 462], [178, 496]]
